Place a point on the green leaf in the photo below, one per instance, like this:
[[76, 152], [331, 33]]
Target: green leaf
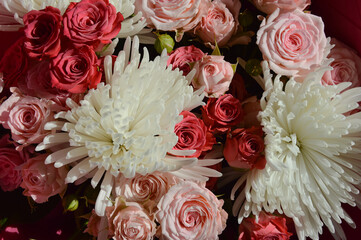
[[164, 41], [216, 50]]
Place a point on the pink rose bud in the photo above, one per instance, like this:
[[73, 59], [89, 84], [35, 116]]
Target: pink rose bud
[[217, 25], [346, 66], [222, 113], [193, 135], [129, 221], [75, 70], [190, 211], [269, 6], [213, 73], [26, 116], [183, 56], [91, 22], [41, 181], [293, 43], [42, 32], [244, 148], [267, 227]]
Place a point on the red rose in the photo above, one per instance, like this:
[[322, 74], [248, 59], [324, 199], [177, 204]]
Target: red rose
[[237, 88], [42, 32], [13, 65], [268, 227], [91, 22], [75, 70], [193, 135], [244, 148], [183, 56], [222, 113]]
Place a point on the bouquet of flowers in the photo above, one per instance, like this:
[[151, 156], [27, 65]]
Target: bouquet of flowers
[[184, 119]]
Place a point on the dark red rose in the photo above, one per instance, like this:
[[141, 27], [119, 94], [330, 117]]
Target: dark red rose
[[183, 56], [220, 114], [75, 70], [237, 88], [244, 148], [91, 22], [267, 227], [193, 135], [13, 65], [42, 32]]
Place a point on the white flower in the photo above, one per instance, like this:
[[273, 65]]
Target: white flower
[[132, 24], [127, 125], [313, 155]]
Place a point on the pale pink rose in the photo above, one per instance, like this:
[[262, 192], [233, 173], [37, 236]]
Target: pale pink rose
[[190, 211], [129, 221], [183, 56], [10, 162], [150, 187], [40, 180], [269, 6], [213, 73], [346, 66], [217, 25], [293, 43], [26, 116], [176, 15]]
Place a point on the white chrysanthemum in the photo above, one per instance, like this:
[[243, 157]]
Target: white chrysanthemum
[[12, 12], [313, 155], [127, 125]]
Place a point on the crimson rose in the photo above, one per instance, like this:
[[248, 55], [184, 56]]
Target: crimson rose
[[75, 70], [222, 113], [42, 32], [193, 135], [244, 148], [91, 22]]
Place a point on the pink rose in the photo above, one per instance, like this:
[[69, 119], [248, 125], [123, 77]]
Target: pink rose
[[346, 66], [267, 227], [26, 116], [182, 57], [91, 22], [13, 65], [269, 6], [150, 187], [41, 181], [75, 70], [129, 221], [217, 25], [93, 224], [244, 148], [293, 43], [177, 15], [193, 135], [190, 211], [213, 73], [10, 161], [42, 32], [222, 113]]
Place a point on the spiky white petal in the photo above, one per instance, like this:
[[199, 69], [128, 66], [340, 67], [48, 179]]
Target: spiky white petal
[[12, 12], [127, 125], [313, 155]]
